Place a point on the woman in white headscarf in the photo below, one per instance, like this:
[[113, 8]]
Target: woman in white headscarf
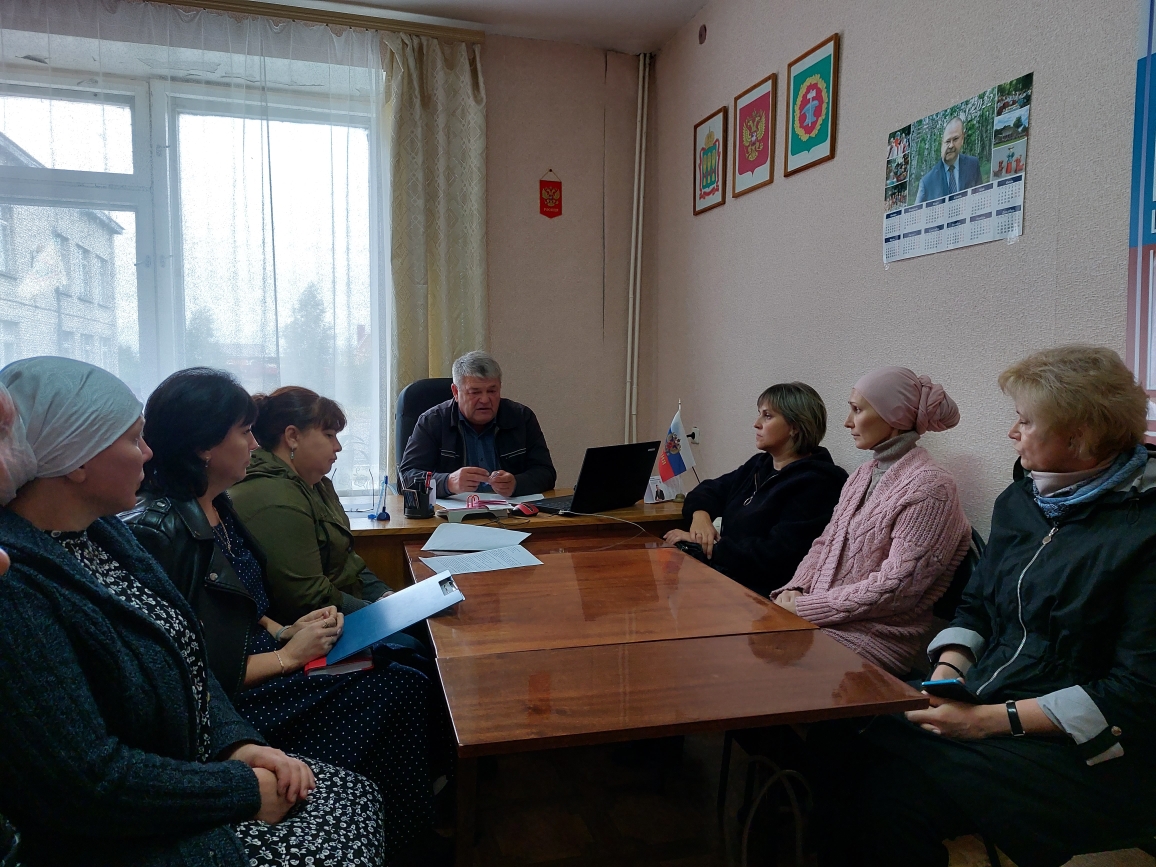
[[117, 745]]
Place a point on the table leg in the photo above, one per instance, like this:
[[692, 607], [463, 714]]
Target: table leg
[[467, 783]]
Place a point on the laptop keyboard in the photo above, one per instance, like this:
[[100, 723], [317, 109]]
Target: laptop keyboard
[[555, 504]]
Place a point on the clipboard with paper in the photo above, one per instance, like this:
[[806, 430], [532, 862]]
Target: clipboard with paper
[[393, 613]]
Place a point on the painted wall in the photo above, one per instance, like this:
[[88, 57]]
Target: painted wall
[[558, 286], [788, 282]]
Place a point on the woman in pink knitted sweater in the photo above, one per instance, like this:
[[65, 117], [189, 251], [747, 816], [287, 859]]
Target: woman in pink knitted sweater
[[898, 533]]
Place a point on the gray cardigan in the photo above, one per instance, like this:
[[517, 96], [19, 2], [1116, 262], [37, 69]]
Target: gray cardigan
[[97, 748]]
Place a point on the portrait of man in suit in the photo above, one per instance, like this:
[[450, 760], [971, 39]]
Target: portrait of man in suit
[[955, 170]]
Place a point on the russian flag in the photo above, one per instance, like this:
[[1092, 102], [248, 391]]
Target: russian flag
[[675, 458]]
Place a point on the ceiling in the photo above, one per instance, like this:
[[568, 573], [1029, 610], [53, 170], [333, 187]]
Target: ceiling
[[629, 26]]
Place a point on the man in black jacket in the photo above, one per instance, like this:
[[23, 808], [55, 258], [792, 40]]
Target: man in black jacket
[[478, 441]]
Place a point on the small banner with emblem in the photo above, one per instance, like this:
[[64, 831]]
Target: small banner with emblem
[[550, 195]]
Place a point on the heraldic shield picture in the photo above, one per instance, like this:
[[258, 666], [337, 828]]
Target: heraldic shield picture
[[754, 137], [710, 161], [812, 99]]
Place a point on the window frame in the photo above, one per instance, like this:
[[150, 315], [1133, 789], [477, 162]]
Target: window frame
[[152, 194]]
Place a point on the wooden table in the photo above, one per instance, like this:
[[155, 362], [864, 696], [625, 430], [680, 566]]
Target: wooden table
[[381, 543], [619, 638], [636, 591], [516, 702]]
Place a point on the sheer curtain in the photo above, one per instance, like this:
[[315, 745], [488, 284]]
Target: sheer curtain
[[435, 123], [190, 187]]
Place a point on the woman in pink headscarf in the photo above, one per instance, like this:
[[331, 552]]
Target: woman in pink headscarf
[[898, 533]]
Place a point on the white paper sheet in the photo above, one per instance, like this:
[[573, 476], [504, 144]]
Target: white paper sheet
[[483, 561], [471, 537], [488, 496]]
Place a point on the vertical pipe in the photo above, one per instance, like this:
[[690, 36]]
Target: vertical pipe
[[633, 243], [638, 276]]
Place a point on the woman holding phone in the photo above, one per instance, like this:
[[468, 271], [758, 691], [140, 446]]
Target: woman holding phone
[[1055, 753]]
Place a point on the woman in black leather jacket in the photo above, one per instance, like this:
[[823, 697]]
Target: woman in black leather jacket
[[373, 721]]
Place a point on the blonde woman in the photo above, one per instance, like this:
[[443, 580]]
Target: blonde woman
[[1056, 640]]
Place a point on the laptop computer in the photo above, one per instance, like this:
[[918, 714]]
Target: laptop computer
[[612, 477]]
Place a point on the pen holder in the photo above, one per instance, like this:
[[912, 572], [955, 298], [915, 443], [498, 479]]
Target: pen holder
[[417, 502]]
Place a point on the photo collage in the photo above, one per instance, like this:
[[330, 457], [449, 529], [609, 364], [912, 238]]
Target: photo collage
[[955, 178]]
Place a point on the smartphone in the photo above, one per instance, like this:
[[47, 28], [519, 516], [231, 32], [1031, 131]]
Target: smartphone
[[952, 690]]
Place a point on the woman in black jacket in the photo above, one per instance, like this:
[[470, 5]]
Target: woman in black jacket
[[1055, 641], [197, 423], [117, 745], [776, 504]]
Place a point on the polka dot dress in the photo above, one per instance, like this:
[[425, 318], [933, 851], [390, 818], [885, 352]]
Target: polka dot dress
[[373, 722], [340, 823]]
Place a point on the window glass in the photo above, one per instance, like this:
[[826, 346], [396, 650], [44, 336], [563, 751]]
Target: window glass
[[275, 263], [65, 134], [38, 316]]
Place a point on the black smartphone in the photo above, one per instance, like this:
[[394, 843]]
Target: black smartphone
[[952, 690]]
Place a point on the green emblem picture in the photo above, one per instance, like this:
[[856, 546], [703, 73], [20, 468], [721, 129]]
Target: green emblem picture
[[812, 97]]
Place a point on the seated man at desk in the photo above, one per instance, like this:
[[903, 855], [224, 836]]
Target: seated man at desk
[[479, 441]]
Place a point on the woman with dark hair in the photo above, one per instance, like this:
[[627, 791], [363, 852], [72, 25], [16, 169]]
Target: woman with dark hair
[[370, 721], [117, 743], [289, 505], [774, 505]]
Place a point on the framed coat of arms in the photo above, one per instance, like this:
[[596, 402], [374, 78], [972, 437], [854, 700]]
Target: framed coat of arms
[[753, 165], [710, 161], [812, 100]]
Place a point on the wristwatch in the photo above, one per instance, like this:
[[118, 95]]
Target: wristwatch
[[1013, 717]]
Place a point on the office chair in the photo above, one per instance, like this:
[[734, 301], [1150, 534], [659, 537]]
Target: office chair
[[414, 399]]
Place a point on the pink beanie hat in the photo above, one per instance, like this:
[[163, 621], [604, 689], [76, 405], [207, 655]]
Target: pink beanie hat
[[908, 402]]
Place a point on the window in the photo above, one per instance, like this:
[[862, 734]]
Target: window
[[287, 300], [101, 277], [38, 298], [84, 278], [178, 204], [81, 135], [9, 341], [7, 265], [63, 262]]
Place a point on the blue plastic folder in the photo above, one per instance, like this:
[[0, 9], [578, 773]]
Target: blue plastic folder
[[394, 613]]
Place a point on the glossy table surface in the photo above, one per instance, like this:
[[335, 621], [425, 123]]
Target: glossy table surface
[[510, 702], [414, 528], [590, 596]]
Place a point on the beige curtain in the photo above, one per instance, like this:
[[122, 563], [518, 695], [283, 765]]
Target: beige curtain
[[436, 128]]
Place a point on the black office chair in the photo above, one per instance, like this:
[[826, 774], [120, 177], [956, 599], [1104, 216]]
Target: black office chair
[[413, 400]]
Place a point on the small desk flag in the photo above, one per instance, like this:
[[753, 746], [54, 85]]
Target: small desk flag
[[676, 457]]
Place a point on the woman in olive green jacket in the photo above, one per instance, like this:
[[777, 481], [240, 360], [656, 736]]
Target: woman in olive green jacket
[[291, 508]]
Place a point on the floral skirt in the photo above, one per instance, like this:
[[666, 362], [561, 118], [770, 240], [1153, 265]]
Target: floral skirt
[[339, 826]]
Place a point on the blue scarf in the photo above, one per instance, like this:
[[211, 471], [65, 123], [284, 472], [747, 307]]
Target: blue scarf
[[1125, 465]]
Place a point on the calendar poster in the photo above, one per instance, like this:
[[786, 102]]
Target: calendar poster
[[956, 177]]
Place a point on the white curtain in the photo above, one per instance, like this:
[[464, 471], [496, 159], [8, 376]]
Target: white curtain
[[190, 187], [435, 123]]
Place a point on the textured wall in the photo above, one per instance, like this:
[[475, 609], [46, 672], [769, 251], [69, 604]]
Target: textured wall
[[788, 282], [558, 286]]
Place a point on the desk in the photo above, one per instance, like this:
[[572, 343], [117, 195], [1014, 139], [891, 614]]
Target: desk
[[514, 702], [583, 597], [381, 543], [614, 639]]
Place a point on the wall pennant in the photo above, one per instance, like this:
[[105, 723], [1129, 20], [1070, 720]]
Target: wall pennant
[[550, 196]]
